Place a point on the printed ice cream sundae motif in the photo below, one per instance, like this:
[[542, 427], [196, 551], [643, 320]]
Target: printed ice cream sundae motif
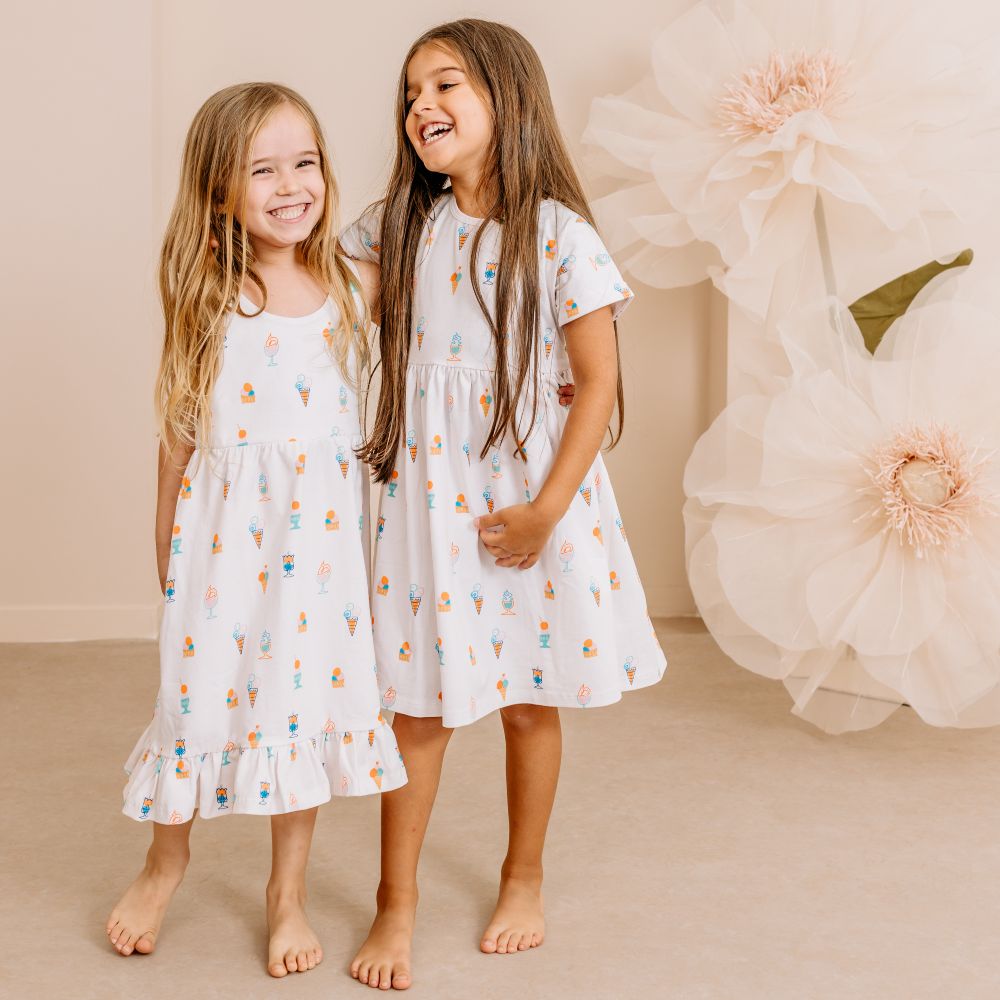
[[507, 603], [216, 545], [566, 553], [271, 350], [389, 697], [210, 600], [342, 397], [439, 649], [436, 444], [393, 484], [536, 677], [185, 700], [288, 564], [265, 645], [544, 635], [455, 347], [170, 591], [323, 576], [175, 541], [232, 699], [584, 695], [461, 507], [295, 517], [430, 495], [297, 675]]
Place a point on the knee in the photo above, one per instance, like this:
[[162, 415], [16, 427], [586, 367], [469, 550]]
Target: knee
[[528, 718], [418, 732]]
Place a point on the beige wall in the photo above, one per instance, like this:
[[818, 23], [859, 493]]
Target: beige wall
[[107, 108]]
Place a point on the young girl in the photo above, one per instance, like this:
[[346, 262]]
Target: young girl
[[503, 576], [268, 702]]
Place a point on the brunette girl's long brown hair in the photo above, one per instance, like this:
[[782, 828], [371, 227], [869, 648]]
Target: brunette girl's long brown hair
[[527, 162], [200, 285]]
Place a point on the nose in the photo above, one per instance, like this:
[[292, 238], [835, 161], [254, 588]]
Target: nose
[[288, 181], [425, 102]]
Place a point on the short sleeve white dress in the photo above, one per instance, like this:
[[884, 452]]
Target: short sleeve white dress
[[456, 636]]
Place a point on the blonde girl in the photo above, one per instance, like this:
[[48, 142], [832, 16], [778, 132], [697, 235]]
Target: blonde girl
[[504, 581], [267, 702]]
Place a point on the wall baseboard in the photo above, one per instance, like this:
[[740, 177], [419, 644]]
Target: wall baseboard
[[72, 624], [671, 601]]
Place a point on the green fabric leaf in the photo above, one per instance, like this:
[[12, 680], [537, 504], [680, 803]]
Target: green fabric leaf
[[875, 312]]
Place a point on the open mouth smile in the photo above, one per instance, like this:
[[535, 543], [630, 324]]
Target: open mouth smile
[[290, 213], [434, 131]]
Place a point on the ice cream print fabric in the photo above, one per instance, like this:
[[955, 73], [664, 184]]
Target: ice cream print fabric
[[268, 700], [455, 635]]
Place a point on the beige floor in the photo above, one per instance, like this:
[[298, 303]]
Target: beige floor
[[705, 844]]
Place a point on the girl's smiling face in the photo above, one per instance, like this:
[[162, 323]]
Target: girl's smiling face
[[449, 124], [285, 190]]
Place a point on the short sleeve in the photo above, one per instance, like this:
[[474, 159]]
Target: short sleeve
[[362, 239], [585, 277]]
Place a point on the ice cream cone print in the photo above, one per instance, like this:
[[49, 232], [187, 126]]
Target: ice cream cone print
[[621, 528], [347, 739], [389, 697], [382, 587], [596, 591], [477, 598], [303, 387], [337, 677], [255, 738], [262, 577], [404, 652], [371, 737], [239, 635], [303, 622], [584, 695], [472, 656], [623, 290], [252, 689], [256, 529], [496, 641], [416, 596], [629, 670], [597, 533], [232, 699], [550, 249], [444, 602], [342, 461], [547, 341], [439, 649], [421, 327], [502, 686], [411, 445], [589, 649], [463, 235], [550, 591], [376, 775], [485, 401], [488, 497], [226, 487], [455, 279], [585, 493], [351, 618], [188, 647]]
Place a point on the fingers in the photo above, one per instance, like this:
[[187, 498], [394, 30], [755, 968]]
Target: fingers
[[496, 551], [529, 561], [485, 521]]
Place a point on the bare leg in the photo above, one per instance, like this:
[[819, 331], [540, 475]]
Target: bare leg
[[534, 752], [292, 944], [383, 961], [135, 921]]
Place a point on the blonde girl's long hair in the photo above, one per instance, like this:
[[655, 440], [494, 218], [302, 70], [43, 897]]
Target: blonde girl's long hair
[[527, 162], [200, 285]]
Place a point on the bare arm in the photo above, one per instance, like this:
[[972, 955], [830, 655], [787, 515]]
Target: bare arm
[[172, 462], [369, 274], [525, 528]]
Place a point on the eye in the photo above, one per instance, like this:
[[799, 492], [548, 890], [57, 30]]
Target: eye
[[260, 170], [305, 163], [446, 86]]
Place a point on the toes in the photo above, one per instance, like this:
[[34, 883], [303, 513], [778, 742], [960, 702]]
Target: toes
[[401, 980], [115, 931], [125, 944], [488, 943], [364, 971], [303, 962], [311, 960], [502, 942], [145, 944], [385, 978], [524, 942], [277, 969], [514, 942], [355, 968], [318, 953]]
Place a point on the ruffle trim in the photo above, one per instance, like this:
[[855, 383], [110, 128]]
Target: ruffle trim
[[168, 788]]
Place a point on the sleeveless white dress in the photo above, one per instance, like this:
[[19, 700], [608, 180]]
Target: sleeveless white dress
[[268, 699]]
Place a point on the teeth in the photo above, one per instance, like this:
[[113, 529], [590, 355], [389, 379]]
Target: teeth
[[435, 131], [292, 212]]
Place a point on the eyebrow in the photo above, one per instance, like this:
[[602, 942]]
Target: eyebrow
[[267, 159], [438, 72]]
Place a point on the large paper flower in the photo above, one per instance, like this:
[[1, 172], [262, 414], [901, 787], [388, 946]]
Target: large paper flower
[[843, 533], [752, 115]]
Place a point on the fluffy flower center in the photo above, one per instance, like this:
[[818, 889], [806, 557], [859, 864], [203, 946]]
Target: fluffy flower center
[[926, 481], [765, 97]]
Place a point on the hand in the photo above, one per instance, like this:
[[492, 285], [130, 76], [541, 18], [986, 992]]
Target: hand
[[515, 536], [566, 394]]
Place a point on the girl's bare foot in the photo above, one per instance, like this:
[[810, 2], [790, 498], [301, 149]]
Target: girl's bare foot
[[383, 961], [518, 922], [292, 945], [135, 921]]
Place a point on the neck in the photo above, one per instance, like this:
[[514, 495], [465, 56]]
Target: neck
[[272, 258], [466, 192]]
